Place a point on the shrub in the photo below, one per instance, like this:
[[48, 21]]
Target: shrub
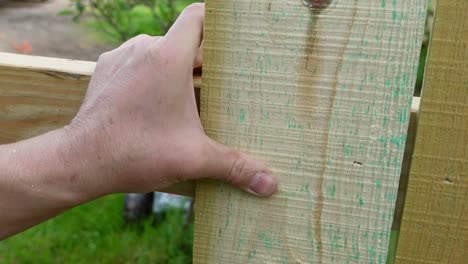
[[124, 19]]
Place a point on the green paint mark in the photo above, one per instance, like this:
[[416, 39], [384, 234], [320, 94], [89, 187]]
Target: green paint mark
[[378, 184], [398, 140], [348, 150], [251, 255], [384, 3], [331, 191], [383, 140], [276, 18], [384, 121], [267, 243], [396, 93], [388, 82], [305, 188], [284, 260], [361, 202], [361, 148], [241, 241], [402, 115], [242, 115], [356, 254], [371, 251], [394, 15]]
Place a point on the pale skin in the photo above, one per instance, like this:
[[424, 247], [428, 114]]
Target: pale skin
[[137, 130]]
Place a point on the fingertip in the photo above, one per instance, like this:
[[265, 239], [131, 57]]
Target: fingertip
[[263, 184], [187, 32]]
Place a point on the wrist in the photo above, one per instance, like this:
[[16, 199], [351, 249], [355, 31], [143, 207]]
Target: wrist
[[54, 168], [40, 178], [81, 154]]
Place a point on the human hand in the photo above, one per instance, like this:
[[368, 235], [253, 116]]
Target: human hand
[[138, 127]]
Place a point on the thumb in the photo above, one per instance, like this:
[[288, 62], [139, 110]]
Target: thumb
[[238, 169]]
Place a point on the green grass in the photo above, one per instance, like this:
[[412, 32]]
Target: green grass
[[392, 247], [95, 233]]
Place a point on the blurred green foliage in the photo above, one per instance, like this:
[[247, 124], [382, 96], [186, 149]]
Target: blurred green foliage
[[424, 48], [95, 233], [124, 19]]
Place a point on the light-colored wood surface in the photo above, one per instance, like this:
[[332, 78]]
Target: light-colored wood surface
[[39, 94], [435, 218], [324, 98]]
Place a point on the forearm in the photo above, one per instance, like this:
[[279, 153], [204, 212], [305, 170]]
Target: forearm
[[137, 130], [40, 178]]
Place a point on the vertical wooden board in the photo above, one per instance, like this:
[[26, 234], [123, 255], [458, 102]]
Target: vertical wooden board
[[435, 217], [323, 96]]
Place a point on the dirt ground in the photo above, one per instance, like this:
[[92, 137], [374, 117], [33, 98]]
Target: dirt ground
[[33, 27]]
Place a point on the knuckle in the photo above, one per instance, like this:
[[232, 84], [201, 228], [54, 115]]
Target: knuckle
[[160, 53], [104, 56], [238, 172], [140, 43], [142, 38]]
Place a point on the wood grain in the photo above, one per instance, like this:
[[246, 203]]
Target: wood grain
[[39, 94], [323, 95], [435, 218]]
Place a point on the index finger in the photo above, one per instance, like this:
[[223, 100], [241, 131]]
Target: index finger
[[187, 32]]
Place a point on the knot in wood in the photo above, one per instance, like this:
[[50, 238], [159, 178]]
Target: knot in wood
[[317, 5]]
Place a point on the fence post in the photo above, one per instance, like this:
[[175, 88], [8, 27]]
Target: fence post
[[434, 227]]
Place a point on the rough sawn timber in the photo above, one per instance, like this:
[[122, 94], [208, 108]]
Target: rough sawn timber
[[323, 96]]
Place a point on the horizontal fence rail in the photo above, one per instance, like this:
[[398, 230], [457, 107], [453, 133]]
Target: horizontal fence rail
[[39, 94]]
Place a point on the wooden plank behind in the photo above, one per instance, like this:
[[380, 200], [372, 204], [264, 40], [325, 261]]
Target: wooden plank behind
[[35, 99], [324, 98], [405, 167], [435, 217]]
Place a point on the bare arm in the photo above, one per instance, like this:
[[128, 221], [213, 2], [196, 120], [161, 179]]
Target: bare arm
[[138, 130], [40, 178]]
